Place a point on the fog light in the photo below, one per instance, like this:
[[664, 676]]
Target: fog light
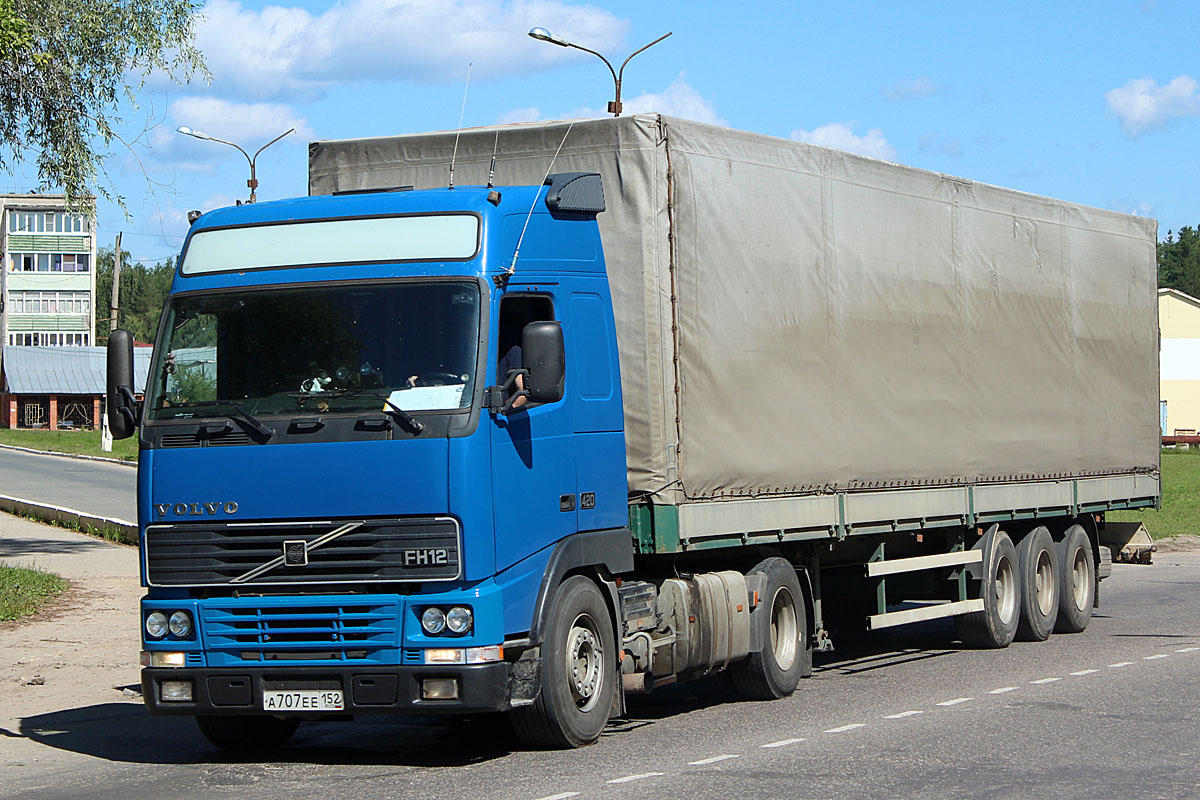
[[156, 625], [439, 689], [485, 655], [163, 659], [445, 655], [180, 624], [176, 691], [433, 620], [458, 619]]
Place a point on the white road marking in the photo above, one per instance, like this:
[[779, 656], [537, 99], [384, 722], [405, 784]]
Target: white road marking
[[1120, 664], [956, 701], [782, 743], [711, 760], [903, 714], [1187, 649], [845, 728], [1156, 657], [1046, 680], [629, 778], [562, 796], [1003, 690], [1085, 672]]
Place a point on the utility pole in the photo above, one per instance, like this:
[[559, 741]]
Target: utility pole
[[116, 288]]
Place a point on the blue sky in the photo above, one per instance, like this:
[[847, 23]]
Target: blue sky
[[1091, 102]]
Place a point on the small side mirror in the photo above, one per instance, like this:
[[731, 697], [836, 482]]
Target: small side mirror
[[122, 408], [545, 357]]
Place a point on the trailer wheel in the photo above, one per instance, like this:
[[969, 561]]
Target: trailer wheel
[[247, 733], [1077, 584], [775, 671], [996, 624], [579, 655], [1037, 557]]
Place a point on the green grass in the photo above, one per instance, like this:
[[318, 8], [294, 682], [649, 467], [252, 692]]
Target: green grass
[[23, 591], [1181, 498], [80, 442]]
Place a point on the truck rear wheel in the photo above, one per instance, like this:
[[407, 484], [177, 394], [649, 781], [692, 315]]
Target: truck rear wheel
[[775, 671], [996, 625], [247, 733], [579, 657], [1037, 558], [1077, 583]]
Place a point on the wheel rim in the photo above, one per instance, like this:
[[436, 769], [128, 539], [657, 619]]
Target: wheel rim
[[1044, 583], [785, 628], [1005, 587], [585, 662], [1080, 579]]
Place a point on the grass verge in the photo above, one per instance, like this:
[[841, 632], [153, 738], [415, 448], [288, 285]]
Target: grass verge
[[1180, 512], [77, 442], [23, 591]]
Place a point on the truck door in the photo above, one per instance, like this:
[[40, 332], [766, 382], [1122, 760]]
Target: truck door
[[533, 450]]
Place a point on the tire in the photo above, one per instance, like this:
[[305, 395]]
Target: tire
[[247, 734], [1077, 581], [579, 657], [1037, 560], [996, 625], [775, 671]]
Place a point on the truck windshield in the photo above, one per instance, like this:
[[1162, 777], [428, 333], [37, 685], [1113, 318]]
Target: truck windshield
[[317, 350]]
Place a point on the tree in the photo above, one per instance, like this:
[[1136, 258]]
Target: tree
[[1179, 261], [66, 65], [142, 297]]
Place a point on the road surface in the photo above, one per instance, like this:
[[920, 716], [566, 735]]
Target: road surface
[[94, 487]]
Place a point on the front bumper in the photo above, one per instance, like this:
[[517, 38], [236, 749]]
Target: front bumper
[[366, 689]]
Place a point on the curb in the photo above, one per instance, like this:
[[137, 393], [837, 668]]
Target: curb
[[126, 531], [79, 456]]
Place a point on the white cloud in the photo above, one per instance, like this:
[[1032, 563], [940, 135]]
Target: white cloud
[[841, 135], [529, 114], [1128, 205], [249, 124], [917, 87], [287, 51], [679, 99], [1142, 105]]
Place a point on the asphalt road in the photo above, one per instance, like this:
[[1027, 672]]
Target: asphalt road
[[94, 487], [1110, 712]]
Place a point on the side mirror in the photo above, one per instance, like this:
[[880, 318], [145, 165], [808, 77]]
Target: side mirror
[[122, 407], [545, 357]]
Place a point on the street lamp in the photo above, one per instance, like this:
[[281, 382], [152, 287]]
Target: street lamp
[[253, 182], [614, 106]]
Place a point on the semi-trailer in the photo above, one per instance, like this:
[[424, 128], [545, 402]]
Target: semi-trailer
[[645, 410]]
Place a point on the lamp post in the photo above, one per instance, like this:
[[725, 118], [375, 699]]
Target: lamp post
[[253, 182], [614, 106]]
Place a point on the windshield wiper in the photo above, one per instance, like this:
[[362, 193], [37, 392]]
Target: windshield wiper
[[406, 419], [238, 412]]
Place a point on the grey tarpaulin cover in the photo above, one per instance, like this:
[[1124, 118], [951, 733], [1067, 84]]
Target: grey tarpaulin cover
[[842, 322]]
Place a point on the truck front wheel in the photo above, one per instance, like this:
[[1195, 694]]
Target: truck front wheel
[[579, 657], [247, 733], [774, 671]]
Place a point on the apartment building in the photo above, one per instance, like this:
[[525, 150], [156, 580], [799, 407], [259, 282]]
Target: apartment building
[[48, 279]]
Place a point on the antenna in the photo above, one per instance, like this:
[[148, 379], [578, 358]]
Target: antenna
[[517, 252], [495, 145], [458, 132]]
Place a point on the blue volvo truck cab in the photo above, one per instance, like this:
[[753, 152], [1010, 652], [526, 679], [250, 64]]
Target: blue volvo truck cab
[[346, 507]]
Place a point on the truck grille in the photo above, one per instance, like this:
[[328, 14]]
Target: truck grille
[[341, 551], [237, 632]]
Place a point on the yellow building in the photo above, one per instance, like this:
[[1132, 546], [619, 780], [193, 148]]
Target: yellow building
[[1179, 360]]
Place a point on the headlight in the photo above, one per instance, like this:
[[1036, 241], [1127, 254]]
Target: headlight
[[433, 620], [156, 625], [180, 624], [458, 620]]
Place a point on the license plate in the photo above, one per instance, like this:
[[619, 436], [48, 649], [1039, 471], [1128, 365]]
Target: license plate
[[304, 700]]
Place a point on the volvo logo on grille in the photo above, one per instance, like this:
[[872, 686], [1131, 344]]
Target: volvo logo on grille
[[295, 554], [195, 509]]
